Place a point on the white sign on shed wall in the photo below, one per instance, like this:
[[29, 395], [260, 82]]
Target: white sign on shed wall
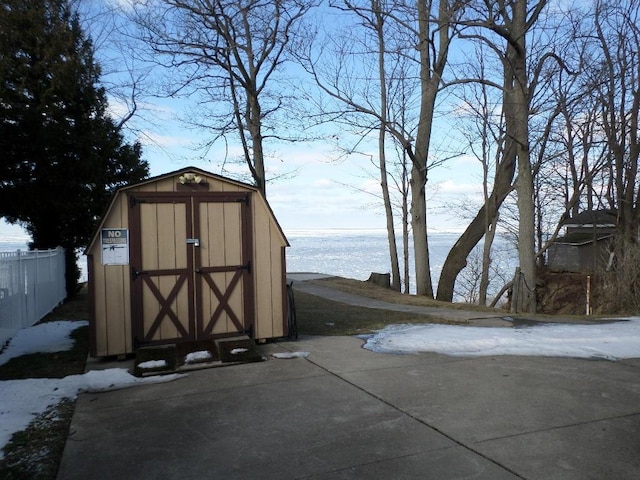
[[115, 246]]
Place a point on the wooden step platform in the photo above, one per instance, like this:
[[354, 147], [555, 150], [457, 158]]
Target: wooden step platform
[[186, 356]]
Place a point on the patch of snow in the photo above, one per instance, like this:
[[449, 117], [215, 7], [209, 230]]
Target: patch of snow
[[236, 351], [153, 364], [195, 357], [45, 337], [611, 341], [21, 401], [290, 354]]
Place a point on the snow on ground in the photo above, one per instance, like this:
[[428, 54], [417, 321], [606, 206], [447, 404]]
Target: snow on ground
[[288, 355], [46, 337], [21, 401], [195, 357], [611, 341], [151, 364]]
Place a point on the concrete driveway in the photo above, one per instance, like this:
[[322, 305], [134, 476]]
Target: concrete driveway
[[348, 413]]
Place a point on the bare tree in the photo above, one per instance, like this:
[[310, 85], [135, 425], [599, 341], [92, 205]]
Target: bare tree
[[505, 26], [230, 52], [482, 125], [373, 17], [427, 29], [616, 79], [124, 76], [434, 35]]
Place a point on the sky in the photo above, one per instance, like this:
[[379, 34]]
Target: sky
[[314, 189], [22, 400]]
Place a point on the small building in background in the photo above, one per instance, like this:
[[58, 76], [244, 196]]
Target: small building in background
[[185, 257], [585, 246]]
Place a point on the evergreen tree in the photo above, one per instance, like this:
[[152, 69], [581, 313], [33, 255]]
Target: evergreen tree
[[63, 156]]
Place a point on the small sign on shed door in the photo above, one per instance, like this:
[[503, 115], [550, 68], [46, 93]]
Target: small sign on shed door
[[115, 246]]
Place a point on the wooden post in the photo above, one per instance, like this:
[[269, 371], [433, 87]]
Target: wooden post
[[588, 294], [515, 294]]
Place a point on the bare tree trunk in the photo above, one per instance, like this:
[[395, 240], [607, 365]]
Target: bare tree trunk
[[457, 258], [486, 259], [431, 70], [517, 96], [391, 234], [254, 125], [405, 222], [419, 228]]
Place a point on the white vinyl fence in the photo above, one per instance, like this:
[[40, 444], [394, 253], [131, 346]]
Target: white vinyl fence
[[32, 283]]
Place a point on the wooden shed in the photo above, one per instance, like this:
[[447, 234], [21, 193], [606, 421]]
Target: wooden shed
[[585, 246], [185, 256]]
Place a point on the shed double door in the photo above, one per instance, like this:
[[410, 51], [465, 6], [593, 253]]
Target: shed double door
[[191, 259]]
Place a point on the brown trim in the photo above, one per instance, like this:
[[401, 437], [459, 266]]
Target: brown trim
[[226, 268], [165, 307], [285, 299], [156, 197], [196, 259], [243, 272], [247, 259], [193, 334], [140, 278], [135, 258], [199, 171], [192, 187], [91, 287], [223, 305]]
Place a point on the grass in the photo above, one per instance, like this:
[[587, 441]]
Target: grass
[[50, 365], [371, 290], [35, 453], [319, 316]]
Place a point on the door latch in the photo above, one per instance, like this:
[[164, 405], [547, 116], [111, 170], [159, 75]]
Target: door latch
[[193, 241]]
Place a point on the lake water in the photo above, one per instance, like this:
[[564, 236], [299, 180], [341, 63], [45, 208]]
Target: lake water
[[356, 253], [11, 243]]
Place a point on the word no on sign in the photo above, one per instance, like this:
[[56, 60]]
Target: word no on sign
[[115, 246]]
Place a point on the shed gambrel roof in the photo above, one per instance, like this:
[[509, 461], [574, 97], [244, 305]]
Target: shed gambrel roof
[[175, 173]]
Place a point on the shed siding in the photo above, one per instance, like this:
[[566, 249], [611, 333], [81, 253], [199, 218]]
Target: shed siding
[[268, 270], [262, 262], [111, 292], [579, 258], [278, 282], [564, 257]]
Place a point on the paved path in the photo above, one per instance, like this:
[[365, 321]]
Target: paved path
[[303, 282], [488, 318], [348, 413]]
